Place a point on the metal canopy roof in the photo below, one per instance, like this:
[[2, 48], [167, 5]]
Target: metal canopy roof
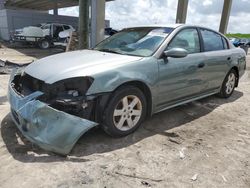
[[41, 4]]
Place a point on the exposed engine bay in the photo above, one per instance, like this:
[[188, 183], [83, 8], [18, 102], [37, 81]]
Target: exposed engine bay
[[66, 95]]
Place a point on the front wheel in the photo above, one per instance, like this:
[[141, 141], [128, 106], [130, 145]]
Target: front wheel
[[229, 84], [125, 111]]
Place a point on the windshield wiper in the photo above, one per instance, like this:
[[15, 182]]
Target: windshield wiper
[[109, 50]]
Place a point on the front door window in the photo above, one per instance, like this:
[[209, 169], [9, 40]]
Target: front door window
[[187, 39]]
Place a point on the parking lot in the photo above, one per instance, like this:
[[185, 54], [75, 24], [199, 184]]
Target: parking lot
[[201, 144]]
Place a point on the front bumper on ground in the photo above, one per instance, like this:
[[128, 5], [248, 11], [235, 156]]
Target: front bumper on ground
[[47, 127]]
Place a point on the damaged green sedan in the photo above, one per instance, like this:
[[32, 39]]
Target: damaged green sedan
[[124, 79]]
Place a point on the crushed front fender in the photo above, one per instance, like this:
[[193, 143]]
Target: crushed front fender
[[47, 127]]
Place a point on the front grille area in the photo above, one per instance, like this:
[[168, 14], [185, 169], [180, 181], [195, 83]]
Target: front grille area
[[56, 94]]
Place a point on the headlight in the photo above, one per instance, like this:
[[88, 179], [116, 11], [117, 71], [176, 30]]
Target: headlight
[[72, 87], [69, 96]]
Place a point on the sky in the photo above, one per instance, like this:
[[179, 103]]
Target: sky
[[129, 13]]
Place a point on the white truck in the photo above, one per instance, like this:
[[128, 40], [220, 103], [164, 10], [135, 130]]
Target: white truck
[[44, 35]]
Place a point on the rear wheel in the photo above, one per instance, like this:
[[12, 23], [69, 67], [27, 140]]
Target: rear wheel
[[125, 111], [229, 84], [44, 44]]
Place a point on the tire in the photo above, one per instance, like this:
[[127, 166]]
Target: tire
[[125, 111], [44, 44], [229, 84]]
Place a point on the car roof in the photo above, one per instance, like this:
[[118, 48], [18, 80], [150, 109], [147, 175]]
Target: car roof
[[55, 23], [174, 26], [157, 25]]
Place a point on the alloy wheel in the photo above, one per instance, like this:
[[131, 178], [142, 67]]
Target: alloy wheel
[[230, 84], [127, 113]]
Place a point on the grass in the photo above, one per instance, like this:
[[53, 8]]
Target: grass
[[238, 35]]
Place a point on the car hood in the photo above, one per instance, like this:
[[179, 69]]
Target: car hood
[[76, 64]]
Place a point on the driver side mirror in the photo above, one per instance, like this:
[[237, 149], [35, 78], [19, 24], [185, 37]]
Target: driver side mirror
[[176, 53]]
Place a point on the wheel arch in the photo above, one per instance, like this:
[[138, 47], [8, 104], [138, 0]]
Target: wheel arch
[[144, 88], [237, 72], [47, 37], [103, 99]]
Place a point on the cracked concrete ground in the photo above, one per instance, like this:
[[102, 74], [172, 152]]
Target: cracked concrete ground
[[211, 135]]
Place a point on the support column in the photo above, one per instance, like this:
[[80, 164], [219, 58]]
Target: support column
[[55, 10], [97, 21], [182, 11], [225, 16], [83, 24], [2, 4]]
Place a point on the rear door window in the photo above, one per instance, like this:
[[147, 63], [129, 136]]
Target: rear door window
[[212, 40]]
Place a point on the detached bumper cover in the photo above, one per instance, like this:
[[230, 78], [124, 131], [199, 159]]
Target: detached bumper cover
[[49, 128]]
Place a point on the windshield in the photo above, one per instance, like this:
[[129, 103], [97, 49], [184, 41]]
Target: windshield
[[135, 41]]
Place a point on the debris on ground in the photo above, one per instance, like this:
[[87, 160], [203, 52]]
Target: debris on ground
[[223, 177], [7, 66], [174, 141], [194, 178], [138, 177], [145, 183], [182, 154]]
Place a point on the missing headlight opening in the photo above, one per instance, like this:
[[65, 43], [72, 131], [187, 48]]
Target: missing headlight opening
[[66, 95]]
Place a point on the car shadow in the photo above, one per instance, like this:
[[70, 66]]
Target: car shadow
[[3, 99], [96, 141]]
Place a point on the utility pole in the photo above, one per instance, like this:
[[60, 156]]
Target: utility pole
[[83, 24], [225, 16], [182, 11]]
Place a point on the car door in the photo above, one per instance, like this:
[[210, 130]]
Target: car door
[[181, 78], [46, 30], [217, 56], [56, 30]]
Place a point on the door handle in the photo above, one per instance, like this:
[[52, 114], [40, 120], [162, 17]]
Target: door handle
[[201, 65], [229, 58]]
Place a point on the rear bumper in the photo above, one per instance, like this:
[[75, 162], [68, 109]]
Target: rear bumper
[[47, 127], [242, 65]]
